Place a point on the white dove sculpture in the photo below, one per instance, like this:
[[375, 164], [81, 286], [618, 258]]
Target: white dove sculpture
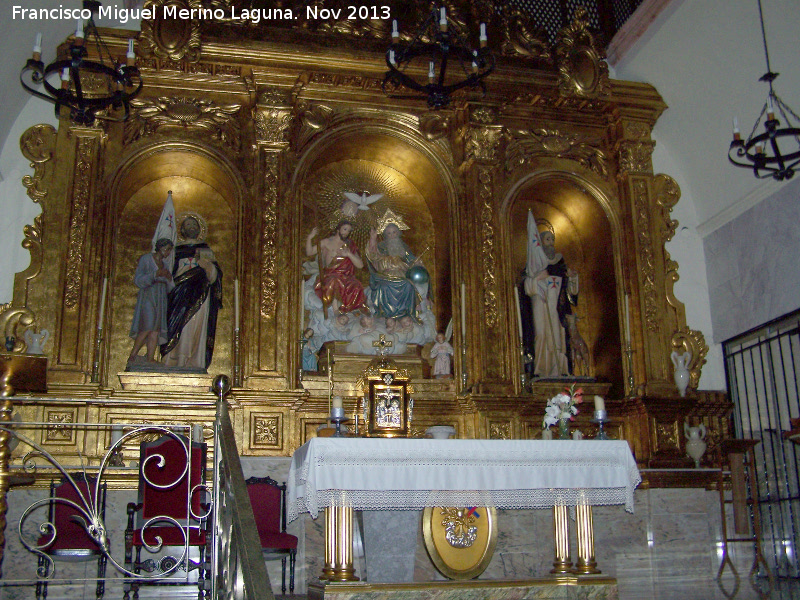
[[356, 202]]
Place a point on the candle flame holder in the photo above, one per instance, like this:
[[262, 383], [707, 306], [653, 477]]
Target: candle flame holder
[[600, 418]]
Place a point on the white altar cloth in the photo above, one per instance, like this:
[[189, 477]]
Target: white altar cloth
[[411, 474]]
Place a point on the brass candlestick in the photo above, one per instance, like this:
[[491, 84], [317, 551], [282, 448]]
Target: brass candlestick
[[237, 370], [96, 365], [302, 341], [523, 375], [631, 380], [464, 366]]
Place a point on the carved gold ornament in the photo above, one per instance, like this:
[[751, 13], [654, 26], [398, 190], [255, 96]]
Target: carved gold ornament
[[179, 114], [691, 340], [581, 69], [524, 146], [168, 37]]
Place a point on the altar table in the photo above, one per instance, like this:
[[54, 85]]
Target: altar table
[[346, 474]]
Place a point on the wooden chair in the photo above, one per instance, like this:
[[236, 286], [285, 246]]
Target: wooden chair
[[268, 499], [170, 491], [71, 541]]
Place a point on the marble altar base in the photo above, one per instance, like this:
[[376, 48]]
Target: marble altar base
[[560, 588]]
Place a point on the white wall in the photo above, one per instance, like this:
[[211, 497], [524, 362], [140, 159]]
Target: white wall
[[16, 207]]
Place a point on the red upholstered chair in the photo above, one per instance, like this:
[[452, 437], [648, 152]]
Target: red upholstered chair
[[268, 499], [170, 491], [71, 541]]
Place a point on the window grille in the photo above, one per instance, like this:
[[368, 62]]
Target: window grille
[[762, 368], [605, 16]]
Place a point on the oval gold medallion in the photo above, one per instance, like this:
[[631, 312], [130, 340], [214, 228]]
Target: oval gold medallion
[[460, 540]]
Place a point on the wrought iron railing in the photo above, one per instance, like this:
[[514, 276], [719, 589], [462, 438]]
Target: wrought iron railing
[[763, 371], [233, 568]]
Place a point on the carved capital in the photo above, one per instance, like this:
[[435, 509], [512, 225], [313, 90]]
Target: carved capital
[[483, 143], [634, 157], [273, 124]]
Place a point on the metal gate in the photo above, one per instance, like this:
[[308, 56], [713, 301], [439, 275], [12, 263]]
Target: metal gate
[[762, 368]]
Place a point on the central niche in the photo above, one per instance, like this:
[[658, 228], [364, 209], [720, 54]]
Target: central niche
[[375, 181]]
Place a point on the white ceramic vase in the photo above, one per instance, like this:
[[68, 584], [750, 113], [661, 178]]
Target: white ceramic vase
[[36, 341], [681, 363], [695, 442]]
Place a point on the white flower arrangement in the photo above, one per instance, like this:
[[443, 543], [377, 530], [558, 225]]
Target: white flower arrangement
[[562, 406]]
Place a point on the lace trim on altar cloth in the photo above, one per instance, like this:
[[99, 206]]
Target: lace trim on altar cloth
[[582, 462], [417, 500]]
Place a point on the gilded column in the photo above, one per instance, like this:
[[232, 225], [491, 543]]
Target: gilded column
[[483, 158], [75, 336], [586, 563], [272, 119], [646, 269], [339, 544]]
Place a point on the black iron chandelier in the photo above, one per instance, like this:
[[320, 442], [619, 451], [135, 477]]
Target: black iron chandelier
[[762, 152], [83, 86], [441, 49]]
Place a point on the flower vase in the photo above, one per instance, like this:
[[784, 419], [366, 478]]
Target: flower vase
[[563, 429]]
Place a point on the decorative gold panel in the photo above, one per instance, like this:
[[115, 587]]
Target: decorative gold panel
[[266, 431], [254, 128]]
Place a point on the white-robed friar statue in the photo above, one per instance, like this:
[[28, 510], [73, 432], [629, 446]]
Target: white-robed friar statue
[[553, 289]]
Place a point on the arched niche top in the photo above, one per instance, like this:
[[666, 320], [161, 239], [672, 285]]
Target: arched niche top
[[184, 168], [581, 216], [385, 149]]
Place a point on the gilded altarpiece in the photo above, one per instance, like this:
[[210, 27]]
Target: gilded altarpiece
[[254, 126]]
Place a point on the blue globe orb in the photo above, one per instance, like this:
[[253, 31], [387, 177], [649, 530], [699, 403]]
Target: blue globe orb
[[418, 274]]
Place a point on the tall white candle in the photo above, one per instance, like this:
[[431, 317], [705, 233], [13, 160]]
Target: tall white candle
[[599, 403], [627, 320], [116, 434], [236, 304], [463, 312], [102, 303], [519, 313]]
